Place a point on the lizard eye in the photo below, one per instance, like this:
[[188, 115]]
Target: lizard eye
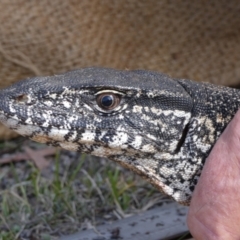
[[108, 101]]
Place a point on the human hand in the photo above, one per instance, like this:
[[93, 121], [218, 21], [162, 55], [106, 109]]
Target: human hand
[[214, 211]]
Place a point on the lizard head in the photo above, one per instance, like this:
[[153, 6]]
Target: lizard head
[[138, 118]]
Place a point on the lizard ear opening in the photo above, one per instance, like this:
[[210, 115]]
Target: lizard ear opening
[[183, 138]]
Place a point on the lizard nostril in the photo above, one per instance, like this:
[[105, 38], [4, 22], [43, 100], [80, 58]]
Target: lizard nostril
[[23, 98]]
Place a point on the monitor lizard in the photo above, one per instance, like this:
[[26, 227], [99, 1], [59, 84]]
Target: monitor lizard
[[161, 128]]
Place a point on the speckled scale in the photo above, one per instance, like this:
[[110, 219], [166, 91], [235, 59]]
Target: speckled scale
[[163, 129]]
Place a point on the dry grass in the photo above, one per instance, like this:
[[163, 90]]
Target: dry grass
[[74, 193]]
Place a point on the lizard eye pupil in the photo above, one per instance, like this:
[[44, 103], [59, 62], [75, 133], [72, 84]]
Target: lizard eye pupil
[[108, 101]]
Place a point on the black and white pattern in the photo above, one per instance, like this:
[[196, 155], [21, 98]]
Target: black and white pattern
[[161, 128]]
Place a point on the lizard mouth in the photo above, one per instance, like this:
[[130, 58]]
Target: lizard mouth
[[105, 144], [76, 138]]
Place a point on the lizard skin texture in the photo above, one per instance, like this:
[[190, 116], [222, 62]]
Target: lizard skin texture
[[161, 128]]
